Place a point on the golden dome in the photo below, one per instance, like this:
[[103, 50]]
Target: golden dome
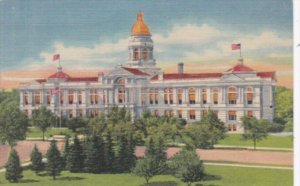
[[140, 28]]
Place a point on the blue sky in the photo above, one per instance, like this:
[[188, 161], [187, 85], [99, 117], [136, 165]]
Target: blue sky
[[94, 34]]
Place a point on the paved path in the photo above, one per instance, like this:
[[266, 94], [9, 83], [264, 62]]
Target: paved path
[[251, 148], [248, 166], [24, 149], [221, 155], [237, 156]]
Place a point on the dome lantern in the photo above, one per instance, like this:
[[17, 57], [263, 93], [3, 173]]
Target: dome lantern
[[140, 28]]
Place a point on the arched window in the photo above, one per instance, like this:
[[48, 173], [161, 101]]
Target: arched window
[[249, 93], [179, 96], [37, 97], [136, 54], [145, 54], [215, 96], [48, 95], [70, 96], [79, 97], [232, 95], [192, 99], [120, 81], [121, 95], [168, 96], [26, 98], [204, 96]]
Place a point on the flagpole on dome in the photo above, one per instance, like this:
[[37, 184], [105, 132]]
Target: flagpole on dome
[[241, 57]]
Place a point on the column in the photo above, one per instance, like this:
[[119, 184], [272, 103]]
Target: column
[[197, 96], [175, 96], [21, 98], [208, 95]]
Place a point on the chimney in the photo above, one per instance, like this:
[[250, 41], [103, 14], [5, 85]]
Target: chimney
[[161, 75], [180, 68]]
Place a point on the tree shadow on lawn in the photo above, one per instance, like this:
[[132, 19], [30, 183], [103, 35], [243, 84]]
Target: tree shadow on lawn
[[70, 178], [161, 183], [28, 181]]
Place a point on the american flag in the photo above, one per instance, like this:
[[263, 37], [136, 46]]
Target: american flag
[[56, 57], [236, 46], [55, 91]]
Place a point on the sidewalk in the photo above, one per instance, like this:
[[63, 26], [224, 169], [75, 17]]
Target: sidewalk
[[251, 148]]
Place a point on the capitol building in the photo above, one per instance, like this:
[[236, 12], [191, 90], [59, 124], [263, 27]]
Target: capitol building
[[140, 85]]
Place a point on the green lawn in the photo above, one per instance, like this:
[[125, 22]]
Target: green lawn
[[271, 141], [36, 133], [220, 175]]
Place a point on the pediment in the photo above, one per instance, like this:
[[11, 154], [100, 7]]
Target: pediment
[[231, 77], [119, 72]]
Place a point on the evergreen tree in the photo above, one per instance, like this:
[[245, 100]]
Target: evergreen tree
[[130, 153], [13, 167], [120, 163], [109, 154], [54, 160], [75, 157], [66, 152], [125, 159], [36, 159], [94, 157]]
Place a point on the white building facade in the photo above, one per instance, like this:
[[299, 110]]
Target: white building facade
[[139, 85]]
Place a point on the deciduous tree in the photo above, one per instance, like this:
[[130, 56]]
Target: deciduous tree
[[13, 123], [42, 119], [255, 129]]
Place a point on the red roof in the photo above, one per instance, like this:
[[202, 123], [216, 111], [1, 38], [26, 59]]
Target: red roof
[[40, 80], [135, 71], [174, 76], [240, 68], [266, 75], [80, 79], [59, 75]]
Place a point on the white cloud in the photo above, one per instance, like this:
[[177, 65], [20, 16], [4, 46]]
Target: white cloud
[[189, 34], [264, 40]]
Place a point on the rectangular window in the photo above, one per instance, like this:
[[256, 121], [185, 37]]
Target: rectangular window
[[70, 112], [204, 113], [250, 113], [156, 113], [232, 115], [61, 98], [179, 113], [192, 114], [215, 97], [80, 113], [249, 98], [48, 98], [79, 97], [232, 127], [104, 99], [204, 96]]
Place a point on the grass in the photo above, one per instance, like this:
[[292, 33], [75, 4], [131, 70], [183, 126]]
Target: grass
[[36, 133], [271, 141], [219, 175]]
